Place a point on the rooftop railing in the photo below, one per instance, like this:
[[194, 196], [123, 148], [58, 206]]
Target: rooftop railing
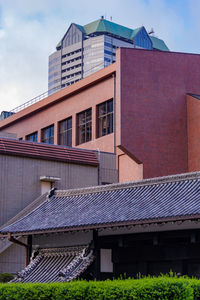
[[6, 114], [36, 99]]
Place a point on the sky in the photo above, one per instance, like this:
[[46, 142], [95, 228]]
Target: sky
[[31, 29]]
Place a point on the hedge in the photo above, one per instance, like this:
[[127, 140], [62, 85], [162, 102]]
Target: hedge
[[164, 288], [5, 277]]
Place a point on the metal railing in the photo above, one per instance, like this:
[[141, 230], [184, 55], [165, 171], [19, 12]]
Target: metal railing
[[36, 99], [42, 96]]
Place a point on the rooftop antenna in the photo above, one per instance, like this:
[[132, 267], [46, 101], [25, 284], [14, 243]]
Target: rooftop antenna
[[151, 31]]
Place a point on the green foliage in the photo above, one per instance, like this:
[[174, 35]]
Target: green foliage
[[5, 277], [147, 288]]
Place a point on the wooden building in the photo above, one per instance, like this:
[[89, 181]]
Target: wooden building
[[148, 227]]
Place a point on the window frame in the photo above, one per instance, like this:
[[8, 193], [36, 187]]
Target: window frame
[[29, 136], [85, 136], [109, 127], [50, 138], [64, 133]]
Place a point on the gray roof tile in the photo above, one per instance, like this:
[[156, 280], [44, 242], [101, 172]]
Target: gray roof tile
[[157, 199], [56, 265]]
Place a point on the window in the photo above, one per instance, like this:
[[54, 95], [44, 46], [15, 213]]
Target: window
[[48, 135], [108, 52], [32, 137], [85, 126], [65, 132], [105, 118]]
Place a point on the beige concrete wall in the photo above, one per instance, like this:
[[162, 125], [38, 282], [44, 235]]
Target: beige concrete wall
[[20, 184], [129, 168], [12, 259], [20, 180], [107, 170]]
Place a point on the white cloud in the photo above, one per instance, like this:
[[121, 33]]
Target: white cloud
[[30, 30]]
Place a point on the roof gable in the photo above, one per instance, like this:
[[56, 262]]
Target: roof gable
[[72, 36], [142, 39]]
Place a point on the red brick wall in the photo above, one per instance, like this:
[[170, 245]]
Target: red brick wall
[[153, 105]]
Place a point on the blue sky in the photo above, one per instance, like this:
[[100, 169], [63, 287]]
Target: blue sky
[[30, 30]]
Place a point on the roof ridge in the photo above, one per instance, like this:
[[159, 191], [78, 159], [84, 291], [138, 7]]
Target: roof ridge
[[137, 183]]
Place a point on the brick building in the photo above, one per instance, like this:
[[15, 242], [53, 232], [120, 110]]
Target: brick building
[[144, 107]]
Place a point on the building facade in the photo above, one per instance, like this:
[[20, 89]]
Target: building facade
[[144, 107], [84, 50]]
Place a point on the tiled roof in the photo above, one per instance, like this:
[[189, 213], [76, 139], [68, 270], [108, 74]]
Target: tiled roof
[[148, 201], [48, 152], [56, 265]]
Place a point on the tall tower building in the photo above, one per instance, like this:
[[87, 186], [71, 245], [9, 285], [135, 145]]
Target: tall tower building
[[84, 50]]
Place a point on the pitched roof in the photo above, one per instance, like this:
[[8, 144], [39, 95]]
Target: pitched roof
[[56, 265], [148, 201], [47, 152], [158, 43], [108, 27]]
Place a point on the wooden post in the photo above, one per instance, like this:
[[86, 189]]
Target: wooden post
[[96, 254]]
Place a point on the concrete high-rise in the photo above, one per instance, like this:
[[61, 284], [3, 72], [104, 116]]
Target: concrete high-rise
[[84, 50]]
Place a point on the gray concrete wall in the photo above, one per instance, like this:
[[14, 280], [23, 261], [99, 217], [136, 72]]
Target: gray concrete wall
[[20, 180], [20, 184], [12, 259], [8, 135]]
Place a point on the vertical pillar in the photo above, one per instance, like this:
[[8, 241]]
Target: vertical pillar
[[29, 249], [96, 251], [56, 133]]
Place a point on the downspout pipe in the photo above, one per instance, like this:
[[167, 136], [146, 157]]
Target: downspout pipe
[[15, 241]]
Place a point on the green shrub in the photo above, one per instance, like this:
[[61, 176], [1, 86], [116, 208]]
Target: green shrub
[[163, 287], [195, 284], [5, 277]]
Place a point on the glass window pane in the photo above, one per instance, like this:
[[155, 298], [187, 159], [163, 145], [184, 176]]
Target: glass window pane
[[48, 135], [110, 106], [69, 124], [105, 118], [84, 126]]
